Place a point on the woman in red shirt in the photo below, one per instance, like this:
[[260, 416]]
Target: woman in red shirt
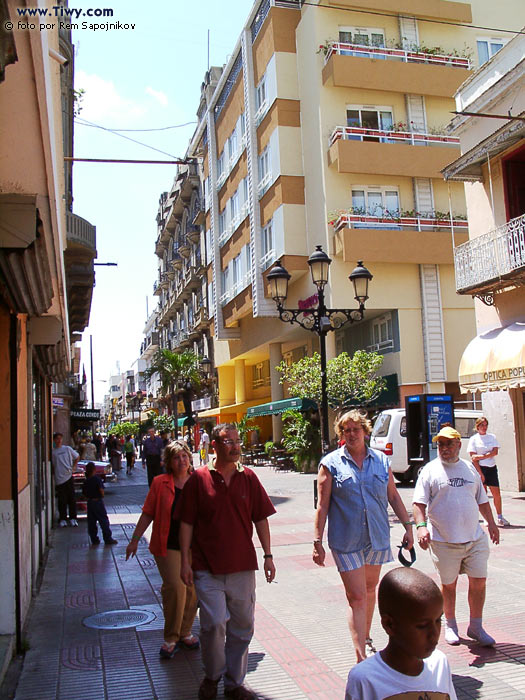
[[179, 601]]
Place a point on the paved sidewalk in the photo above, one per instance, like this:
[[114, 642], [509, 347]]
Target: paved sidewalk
[[301, 649]]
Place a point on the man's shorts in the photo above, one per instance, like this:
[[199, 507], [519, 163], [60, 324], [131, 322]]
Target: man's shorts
[[350, 561], [491, 475], [468, 558]]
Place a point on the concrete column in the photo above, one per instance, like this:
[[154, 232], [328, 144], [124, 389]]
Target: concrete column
[[277, 389], [240, 381]]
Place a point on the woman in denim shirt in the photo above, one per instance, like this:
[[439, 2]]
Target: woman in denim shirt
[[355, 487]]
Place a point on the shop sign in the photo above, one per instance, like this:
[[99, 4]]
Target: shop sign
[[57, 401], [86, 413]]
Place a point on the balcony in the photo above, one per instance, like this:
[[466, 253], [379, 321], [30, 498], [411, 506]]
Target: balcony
[[193, 233], [492, 261], [191, 279], [149, 345], [418, 240], [157, 289], [164, 280], [374, 151], [395, 70], [78, 260]]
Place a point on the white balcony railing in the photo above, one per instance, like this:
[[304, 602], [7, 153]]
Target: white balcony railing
[[491, 256], [357, 133], [420, 223], [381, 52]]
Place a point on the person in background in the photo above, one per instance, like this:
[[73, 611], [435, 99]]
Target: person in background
[[355, 487], [129, 451], [179, 601], [220, 505], [204, 446], [93, 490], [448, 499], [64, 460], [97, 441], [410, 666], [152, 448], [483, 447]]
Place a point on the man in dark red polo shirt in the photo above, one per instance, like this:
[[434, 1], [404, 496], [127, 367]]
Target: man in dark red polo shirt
[[219, 505]]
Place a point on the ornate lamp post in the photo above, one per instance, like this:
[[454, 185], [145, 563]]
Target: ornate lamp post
[[320, 320]]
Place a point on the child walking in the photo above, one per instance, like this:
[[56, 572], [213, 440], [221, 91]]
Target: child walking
[[411, 608], [93, 490]]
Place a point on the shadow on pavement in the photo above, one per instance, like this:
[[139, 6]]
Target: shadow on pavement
[[508, 653], [277, 500], [466, 686]]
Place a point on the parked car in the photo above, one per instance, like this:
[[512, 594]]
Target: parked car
[[102, 469], [389, 436]]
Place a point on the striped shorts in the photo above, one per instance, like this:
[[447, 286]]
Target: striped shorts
[[350, 561]]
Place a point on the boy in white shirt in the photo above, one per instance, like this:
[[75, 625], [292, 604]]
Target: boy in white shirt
[[410, 666]]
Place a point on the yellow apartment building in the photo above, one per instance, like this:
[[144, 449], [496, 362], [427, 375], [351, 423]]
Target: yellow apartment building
[[327, 127], [491, 266]]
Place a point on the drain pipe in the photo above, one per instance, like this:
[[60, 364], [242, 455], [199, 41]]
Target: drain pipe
[[14, 476]]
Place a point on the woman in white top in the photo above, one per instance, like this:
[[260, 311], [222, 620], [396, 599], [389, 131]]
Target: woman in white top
[[483, 448]]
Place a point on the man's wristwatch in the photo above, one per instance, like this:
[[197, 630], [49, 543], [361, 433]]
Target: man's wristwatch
[[268, 556]]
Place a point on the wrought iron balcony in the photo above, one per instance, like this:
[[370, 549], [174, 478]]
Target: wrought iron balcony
[[491, 261], [395, 220]]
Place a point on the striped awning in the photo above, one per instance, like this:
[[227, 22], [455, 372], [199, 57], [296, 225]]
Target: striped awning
[[494, 360]]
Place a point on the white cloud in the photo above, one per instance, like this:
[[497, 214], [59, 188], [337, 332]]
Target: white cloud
[[103, 104], [158, 95]]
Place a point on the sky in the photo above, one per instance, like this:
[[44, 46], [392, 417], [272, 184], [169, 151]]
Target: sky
[[146, 77]]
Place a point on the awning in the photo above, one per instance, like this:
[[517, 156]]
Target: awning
[[227, 410], [494, 360], [467, 168], [270, 409]]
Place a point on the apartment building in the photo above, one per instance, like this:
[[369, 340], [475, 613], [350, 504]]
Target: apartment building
[[490, 267], [328, 127]]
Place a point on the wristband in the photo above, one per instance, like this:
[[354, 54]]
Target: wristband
[[423, 523], [268, 556], [409, 522], [135, 537], [318, 541]]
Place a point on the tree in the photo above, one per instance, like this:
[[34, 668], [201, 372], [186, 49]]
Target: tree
[[301, 438], [178, 372], [124, 429], [244, 428], [349, 380]]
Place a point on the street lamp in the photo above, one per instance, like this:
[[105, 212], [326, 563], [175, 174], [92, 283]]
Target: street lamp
[[320, 320]]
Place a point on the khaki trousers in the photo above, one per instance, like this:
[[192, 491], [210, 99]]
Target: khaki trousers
[[179, 602], [227, 608]]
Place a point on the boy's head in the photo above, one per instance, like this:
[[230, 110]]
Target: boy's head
[[90, 469], [411, 607]]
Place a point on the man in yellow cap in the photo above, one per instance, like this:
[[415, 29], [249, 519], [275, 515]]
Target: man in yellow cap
[[448, 498]]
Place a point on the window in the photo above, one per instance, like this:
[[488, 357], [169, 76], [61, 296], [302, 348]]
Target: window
[[361, 36], [261, 374], [488, 47], [370, 118], [234, 209], [209, 248], [236, 266], [245, 196], [381, 425], [382, 335], [220, 165], [232, 146], [243, 128], [375, 201], [260, 95], [264, 170], [267, 242], [222, 222]]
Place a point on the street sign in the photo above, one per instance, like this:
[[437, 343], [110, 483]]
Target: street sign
[[86, 413]]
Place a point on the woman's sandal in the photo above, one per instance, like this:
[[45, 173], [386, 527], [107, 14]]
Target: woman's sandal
[[168, 651], [189, 642]]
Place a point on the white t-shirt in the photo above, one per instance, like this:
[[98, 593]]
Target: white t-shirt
[[62, 459], [482, 445], [373, 679], [452, 494]]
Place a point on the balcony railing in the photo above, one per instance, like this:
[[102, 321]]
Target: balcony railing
[[357, 133], [382, 52], [483, 261], [420, 223], [80, 231]]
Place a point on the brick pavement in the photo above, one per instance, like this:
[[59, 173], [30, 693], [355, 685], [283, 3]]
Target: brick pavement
[[301, 649]]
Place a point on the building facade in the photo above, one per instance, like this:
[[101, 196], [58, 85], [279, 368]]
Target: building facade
[[490, 267], [328, 127], [46, 281]]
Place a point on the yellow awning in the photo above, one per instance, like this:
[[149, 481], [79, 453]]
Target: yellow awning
[[494, 360], [229, 409]]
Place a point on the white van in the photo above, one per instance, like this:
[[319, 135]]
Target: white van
[[389, 436]]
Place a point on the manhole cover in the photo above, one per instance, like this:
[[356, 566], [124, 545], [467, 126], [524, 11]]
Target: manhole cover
[[119, 619]]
